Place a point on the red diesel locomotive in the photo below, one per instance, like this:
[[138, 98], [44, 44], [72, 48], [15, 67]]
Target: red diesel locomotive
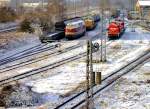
[[116, 29]]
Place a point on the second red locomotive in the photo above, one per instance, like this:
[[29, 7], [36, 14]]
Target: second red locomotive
[[116, 28]]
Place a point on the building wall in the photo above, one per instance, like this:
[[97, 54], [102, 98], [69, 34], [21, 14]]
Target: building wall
[[143, 10]]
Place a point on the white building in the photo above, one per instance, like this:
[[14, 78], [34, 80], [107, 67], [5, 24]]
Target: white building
[[143, 6]]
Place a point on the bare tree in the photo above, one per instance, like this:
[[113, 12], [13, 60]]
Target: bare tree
[[105, 4], [56, 8]]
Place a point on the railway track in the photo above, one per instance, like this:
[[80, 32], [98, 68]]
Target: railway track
[[21, 52], [37, 59], [42, 69], [79, 100], [10, 29], [26, 53]]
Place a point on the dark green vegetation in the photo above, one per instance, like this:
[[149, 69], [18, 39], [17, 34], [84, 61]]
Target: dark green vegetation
[[26, 26]]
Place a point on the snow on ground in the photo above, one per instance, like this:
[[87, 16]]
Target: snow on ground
[[60, 83], [120, 58], [130, 92], [139, 34], [13, 42], [8, 25]]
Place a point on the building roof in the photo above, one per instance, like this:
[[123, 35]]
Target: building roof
[[144, 3]]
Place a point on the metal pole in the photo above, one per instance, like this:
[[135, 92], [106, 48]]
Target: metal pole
[[87, 75], [104, 36], [105, 47], [101, 58], [92, 76], [103, 52]]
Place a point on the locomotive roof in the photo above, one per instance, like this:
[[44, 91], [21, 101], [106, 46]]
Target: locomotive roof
[[75, 22]]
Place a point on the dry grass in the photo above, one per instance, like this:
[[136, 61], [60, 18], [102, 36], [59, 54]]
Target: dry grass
[[6, 38], [7, 14]]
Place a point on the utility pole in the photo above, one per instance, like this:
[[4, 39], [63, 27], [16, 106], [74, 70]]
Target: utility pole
[[90, 77], [87, 75], [103, 37], [133, 11]]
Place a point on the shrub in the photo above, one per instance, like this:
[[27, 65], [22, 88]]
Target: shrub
[[42, 19], [26, 26], [47, 25]]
